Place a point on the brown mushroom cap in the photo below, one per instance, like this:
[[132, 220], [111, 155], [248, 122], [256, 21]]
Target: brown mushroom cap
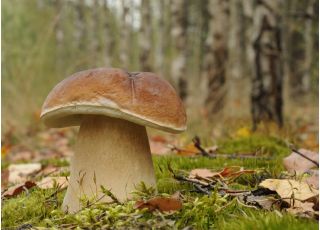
[[143, 98]]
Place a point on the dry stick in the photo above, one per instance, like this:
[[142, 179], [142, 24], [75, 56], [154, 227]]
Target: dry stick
[[203, 152], [304, 156]]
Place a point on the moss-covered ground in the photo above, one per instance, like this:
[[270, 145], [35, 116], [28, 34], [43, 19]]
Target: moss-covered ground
[[41, 208]]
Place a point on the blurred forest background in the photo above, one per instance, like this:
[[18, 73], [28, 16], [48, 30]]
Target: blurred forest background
[[239, 59]]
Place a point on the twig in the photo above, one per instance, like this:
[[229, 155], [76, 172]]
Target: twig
[[201, 189], [304, 156], [196, 141], [203, 152]]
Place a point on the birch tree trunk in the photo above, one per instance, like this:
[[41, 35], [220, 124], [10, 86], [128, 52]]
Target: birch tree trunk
[[179, 36], [125, 33], [236, 40], [300, 48], [309, 45], [216, 54], [96, 39], [266, 94], [59, 35], [81, 25], [107, 38], [145, 39]]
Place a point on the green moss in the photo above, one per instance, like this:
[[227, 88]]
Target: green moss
[[29, 207], [260, 220], [38, 208], [254, 144]]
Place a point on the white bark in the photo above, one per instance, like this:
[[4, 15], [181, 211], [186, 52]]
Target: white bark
[[145, 39], [179, 37]]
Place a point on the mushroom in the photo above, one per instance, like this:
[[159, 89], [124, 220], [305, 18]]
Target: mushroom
[[113, 108]]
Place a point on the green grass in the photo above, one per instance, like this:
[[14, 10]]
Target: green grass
[[38, 208]]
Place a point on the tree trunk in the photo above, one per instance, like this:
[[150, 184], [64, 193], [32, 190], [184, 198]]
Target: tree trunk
[[59, 35], [216, 54], [81, 26], [107, 39], [309, 42], [145, 39], [96, 39], [179, 36], [236, 40], [266, 94], [125, 33]]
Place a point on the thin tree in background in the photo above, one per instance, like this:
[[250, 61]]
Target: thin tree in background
[[81, 25], [125, 34], [179, 35], [145, 39], [309, 43], [266, 94], [59, 35], [236, 51], [107, 38], [216, 54], [96, 41]]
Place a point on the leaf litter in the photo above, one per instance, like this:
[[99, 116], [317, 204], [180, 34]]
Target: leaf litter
[[205, 181]]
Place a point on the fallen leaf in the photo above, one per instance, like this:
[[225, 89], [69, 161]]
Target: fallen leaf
[[228, 172], [312, 178], [17, 189], [163, 204], [50, 182], [288, 189], [25, 155], [243, 132], [159, 138], [205, 173], [212, 149], [299, 164], [189, 150], [19, 172], [159, 148], [264, 202], [302, 209]]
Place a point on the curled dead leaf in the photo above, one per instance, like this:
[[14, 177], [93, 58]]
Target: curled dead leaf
[[163, 204], [17, 189]]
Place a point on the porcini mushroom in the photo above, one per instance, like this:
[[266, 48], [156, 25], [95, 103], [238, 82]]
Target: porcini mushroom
[[112, 107]]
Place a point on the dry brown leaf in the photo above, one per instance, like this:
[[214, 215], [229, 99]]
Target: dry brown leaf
[[159, 138], [228, 172], [189, 150], [287, 189], [163, 204], [17, 189], [302, 209], [50, 182], [299, 164], [159, 148], [19, 172], [312, 179], [205, 173]]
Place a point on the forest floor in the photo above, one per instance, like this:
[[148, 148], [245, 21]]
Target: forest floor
[[228, 179]]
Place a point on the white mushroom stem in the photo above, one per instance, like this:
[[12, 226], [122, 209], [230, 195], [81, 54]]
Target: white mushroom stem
[[111, 152]]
